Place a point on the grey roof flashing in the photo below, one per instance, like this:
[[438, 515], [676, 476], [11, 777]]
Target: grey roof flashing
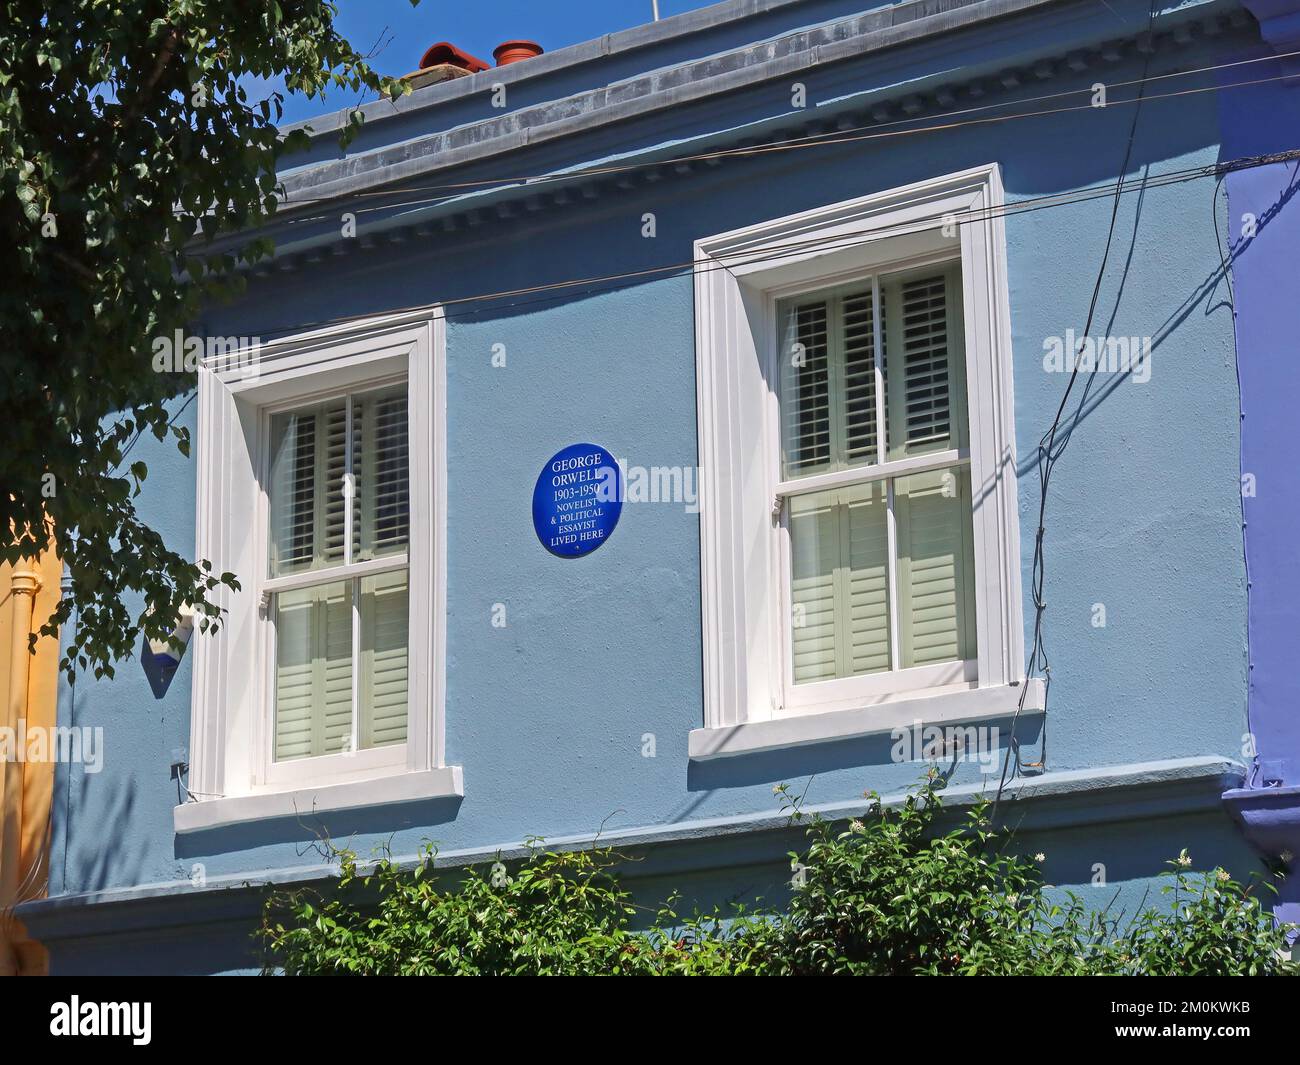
[[611, 44], [943, 33], [908, 22]]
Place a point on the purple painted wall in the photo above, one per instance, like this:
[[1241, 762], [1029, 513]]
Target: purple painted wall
[[1263, 235]]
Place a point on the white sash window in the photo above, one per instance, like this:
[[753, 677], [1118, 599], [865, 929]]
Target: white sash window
[[339, 601], [322, 488], [859, 538]]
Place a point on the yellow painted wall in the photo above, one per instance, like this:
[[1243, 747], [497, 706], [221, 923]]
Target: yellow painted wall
[[29, 689]]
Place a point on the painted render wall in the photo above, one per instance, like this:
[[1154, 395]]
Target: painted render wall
[[1265, 119], [1261, 238], [547, 716]]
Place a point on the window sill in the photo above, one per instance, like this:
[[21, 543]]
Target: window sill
[[950, 708], [443, 783]]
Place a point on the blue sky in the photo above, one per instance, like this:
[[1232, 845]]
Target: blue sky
[[477, 26]]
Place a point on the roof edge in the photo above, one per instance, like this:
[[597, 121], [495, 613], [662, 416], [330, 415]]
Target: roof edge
[[619, 42]]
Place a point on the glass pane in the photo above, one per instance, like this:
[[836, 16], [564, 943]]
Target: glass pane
[[936, 571], [308, 461], [926, 360], [828, 384], [384, 613], [867, 574], [856, 313], [839, 568], [313, 671], [380, 524], [814, 561], [805, 390]]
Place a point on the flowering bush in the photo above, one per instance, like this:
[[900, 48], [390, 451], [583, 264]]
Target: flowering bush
[[888, 894]]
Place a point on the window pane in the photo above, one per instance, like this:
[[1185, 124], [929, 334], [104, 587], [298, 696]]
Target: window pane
[[925, 358], [839, 583], [380, 523], [313, 671], [828, 384], [936, 571], [805, 390], [857, 319], [308, 461], [384, 612]]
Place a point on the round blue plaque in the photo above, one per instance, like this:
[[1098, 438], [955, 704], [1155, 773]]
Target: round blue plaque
[[577, 500]]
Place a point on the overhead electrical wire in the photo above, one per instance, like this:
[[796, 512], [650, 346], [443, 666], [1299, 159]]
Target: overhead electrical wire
[[438, 201], [1049, 453], [1241, 416], [572, 286], [1050, 448], [847, 136]]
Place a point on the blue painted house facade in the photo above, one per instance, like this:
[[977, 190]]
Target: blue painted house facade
[[816, 274]]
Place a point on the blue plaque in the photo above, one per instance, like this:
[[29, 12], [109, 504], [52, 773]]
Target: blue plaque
[[577, 500]]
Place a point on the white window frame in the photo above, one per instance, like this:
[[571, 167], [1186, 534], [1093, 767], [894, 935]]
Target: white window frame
[[232, 775], [750, 702]]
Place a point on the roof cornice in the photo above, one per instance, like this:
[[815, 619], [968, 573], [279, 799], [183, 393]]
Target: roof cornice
[[610, 45], [909, 23], [477, 209]]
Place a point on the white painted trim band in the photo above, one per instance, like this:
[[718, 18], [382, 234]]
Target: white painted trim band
[[442, 783], [976, 704]]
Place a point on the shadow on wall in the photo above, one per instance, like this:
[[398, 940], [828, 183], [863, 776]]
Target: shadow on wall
[[309, 830], [1118, 872], [159, 669], [763, 767], [88, 863], [1204, 294], [210, 949]]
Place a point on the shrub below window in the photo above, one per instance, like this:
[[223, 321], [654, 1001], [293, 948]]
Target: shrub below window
[[887, 894]]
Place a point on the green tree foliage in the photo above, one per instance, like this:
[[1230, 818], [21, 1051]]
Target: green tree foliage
[[889, 894], [132, 155]]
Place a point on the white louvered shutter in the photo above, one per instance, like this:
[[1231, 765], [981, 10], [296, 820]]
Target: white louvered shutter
[[829, 407], [867, 579], [856, 315], [313, 677], [307, 489], [293, 500], [815, 565], [839, 538], [333, 467], [839, 583], [314, 698], [384, 612], [382, 516], [935, 567], [806, 412], [926, 385], [925, 363]]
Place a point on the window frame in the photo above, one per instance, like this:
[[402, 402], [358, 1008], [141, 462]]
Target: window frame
[[267, 771], [739, 278], [232, 776], [815, 696]]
